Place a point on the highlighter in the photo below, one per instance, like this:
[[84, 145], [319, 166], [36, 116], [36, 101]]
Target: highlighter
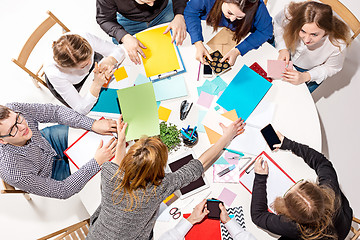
[[226, 170]]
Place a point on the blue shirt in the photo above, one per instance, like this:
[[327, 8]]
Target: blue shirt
[[261, 29]]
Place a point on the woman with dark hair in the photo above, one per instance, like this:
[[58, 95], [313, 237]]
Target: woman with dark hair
[[74, 58], [314, 39], [307, 210], [134, 184], [240, 16]]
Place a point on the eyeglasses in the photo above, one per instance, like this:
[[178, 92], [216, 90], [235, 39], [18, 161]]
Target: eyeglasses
[[300, 181], [14, 129]]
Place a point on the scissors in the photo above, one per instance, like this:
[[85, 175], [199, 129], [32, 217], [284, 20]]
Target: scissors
[[175, 213]]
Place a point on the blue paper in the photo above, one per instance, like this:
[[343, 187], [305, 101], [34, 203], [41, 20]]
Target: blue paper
[[221, 84], [201, 115], [107, 101], [141, 79], [244, 92], [171, 87], [221, 160], [158, 104], [208, 87]]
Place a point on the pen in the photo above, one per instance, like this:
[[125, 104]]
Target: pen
[[234, 151], [199, 72], [226, 170], [240, 157], [193, 132], [244, 164], [185, 135]]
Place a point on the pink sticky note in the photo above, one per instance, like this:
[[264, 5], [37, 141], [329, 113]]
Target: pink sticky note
[[227, 196], [275, 68], [205, 99]]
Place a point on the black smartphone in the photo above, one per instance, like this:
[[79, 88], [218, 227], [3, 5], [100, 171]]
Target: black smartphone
[[214, 209], [270, 136], [207, 71]]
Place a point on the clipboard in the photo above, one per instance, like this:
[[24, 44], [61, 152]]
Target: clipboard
[[278, 181], [163, 58], [84, 148]]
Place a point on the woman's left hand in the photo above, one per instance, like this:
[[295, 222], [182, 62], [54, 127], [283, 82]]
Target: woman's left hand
[[231, 56], [234, 129], [107, 61], [295, 77]]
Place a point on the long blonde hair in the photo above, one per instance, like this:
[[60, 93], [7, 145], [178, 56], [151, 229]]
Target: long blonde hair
[[313, 12], [143, 164], [312, 207]]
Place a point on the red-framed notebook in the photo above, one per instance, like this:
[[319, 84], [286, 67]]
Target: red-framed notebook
[[259, 70], [278, 181], [84, 148]]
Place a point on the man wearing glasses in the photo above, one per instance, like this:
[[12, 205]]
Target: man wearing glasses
[[33, 160]]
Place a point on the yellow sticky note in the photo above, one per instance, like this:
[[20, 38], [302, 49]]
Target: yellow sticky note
[[164, 113], [160, 52], [120, 74]]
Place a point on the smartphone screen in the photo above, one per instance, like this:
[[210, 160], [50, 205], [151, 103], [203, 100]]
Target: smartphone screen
[[214, 209], [270, 136], [207, 71]]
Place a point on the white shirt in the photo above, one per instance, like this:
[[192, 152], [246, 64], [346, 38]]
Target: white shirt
[[322, 60], [63, 79], [184, 226]]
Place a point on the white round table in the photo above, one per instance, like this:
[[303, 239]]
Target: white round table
[[295, 117]]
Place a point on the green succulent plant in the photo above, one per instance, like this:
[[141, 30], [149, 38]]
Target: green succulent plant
[[170, 135]]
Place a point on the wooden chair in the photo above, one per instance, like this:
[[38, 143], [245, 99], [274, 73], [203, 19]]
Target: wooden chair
[[75, 232], [356, 232], [346, 15], [10, 189], [49, 22]]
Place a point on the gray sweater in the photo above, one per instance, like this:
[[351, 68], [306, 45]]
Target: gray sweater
[[111, 221]]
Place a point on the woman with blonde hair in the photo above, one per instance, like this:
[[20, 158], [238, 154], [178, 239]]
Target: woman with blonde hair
[[308, 34], [135, 183], [307, 210], [74, 58], [240, 16]]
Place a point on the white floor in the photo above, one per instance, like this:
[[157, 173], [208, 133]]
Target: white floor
[[337, 101]]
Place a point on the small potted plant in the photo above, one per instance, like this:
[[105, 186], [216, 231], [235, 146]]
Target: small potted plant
[[170, 135]]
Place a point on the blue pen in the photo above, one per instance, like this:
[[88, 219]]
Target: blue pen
[[188, 128], [193, 132], [234, 151], [185, 135]]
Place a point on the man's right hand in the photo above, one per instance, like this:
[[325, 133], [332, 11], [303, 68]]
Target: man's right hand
[[133, 47]]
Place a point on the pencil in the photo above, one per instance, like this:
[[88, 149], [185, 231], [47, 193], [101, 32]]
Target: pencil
[[199, 72]]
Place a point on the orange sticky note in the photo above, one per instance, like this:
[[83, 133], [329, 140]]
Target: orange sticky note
[[214, 136], [120, 74], [164, 113], [231, 115]]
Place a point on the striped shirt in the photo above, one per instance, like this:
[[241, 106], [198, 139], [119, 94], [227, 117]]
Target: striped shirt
[[29, 167]]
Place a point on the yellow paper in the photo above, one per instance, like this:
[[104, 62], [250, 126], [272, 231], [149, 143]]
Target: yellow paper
[[214, 136], [120, 74], [164, 113], [160, 52]]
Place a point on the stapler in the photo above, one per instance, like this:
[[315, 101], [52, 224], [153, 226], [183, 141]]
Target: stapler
[[185, 109]]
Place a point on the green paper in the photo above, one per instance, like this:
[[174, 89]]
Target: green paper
[[139, 110]]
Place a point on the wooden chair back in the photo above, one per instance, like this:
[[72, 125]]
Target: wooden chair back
[[346, 15], [74, 232], [10, 189], [49, 22], [356, 232]]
